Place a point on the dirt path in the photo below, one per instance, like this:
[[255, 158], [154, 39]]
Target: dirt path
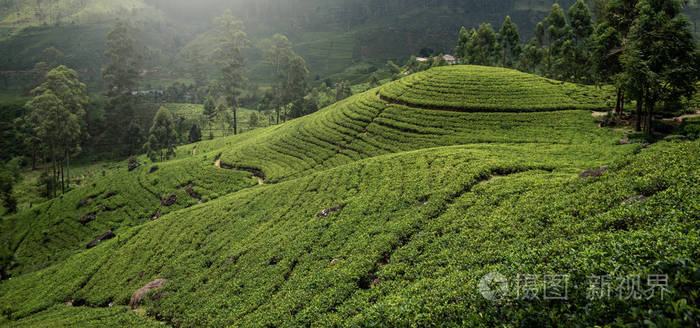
[[261, 181], [680, 119], [598, 114]]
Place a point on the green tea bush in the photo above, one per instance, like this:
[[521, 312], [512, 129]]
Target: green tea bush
[[373, 213], [492, 89]]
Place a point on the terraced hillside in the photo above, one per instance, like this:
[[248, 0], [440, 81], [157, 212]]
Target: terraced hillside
[[492, 89], [372, 213], [380, 122]]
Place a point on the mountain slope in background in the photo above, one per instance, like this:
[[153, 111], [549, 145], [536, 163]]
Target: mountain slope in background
[[330, 35]]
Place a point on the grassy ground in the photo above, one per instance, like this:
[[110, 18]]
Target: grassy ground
[[372, 214]]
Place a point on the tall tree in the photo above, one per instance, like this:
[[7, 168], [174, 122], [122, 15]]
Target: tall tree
[[62, 86], [598, 9], [197, 70], [485, 46], [555, 30], [210, 111], [342, 90], [462, 45], [57, 128], [9, 176], [509, 38], [661, 63], [620, 14], [575, 61], [278, 52], [232, 41], [531, 57], [134, 138], [195, 134], [607, 48], [64, 83], [121, 76], [581, 22], [162, 137], [296, 84]]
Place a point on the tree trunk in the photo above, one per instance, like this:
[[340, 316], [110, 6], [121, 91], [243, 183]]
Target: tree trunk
[[649, 117], [622, 104], [46, 170], [638, 124], [63, 181], [68, 169], [54, 181], [504, 56], [617, 102], [33, 158], [235, 121]]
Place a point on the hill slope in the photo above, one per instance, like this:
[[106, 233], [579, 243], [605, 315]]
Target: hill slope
[[331, 35], [372, 214]]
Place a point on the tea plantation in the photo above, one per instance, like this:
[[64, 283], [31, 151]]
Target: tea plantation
[[493, 89], [383, 210]]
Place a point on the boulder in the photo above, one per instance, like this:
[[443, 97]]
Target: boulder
[[86, 201], [137, 297], [88, 218], [638, 198], [107, 235], [133, 166], [593, 173], [329, 211], [169, 201], [153, 169]]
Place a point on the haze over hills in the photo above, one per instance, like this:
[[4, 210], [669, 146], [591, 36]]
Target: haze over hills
[[330, 35]]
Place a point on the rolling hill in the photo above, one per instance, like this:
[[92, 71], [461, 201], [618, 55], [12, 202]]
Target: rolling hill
[[385, 209]]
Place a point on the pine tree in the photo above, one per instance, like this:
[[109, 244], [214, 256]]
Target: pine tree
[[555, 30], [462, 44], [575, 62], [581, 22], [509, 39], [485, 46]]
